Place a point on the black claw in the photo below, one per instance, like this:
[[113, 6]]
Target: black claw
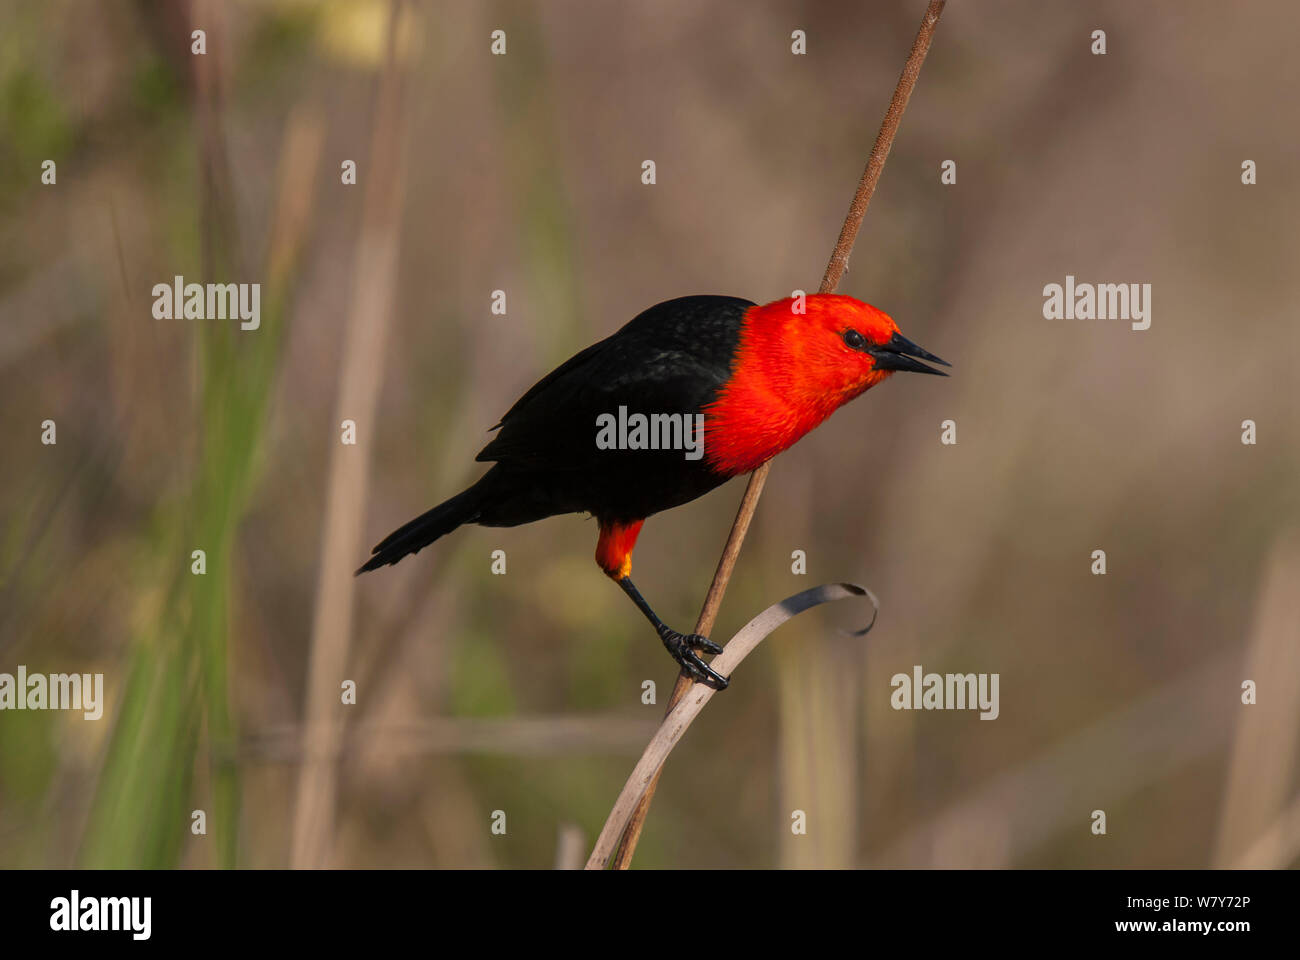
[[703, 644], [684, 647]]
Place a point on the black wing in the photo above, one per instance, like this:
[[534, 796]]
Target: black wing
[[672, 358]]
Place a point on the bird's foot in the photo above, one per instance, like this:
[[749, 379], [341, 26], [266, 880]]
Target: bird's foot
[[685, 648]]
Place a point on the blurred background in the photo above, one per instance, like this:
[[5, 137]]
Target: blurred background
[[522, 692]]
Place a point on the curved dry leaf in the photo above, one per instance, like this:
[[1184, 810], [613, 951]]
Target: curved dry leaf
[[681, 716]]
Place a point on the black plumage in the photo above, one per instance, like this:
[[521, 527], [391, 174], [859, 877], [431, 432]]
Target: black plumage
[[670, 359]]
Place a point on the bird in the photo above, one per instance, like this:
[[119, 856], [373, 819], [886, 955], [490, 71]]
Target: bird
[[725, 383]]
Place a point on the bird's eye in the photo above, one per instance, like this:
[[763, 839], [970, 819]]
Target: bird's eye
[[855, 340]]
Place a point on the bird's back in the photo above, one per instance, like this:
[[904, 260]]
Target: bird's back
[[670, 359]]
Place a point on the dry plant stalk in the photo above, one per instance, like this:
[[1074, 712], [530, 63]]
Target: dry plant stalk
[[834, 271], [1262, 763], [688, 707], [360, 378]]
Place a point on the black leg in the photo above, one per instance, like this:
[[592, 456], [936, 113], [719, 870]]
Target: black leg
[[684, 647]]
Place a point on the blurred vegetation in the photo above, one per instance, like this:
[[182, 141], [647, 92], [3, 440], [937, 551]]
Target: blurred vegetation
[[522, 174]]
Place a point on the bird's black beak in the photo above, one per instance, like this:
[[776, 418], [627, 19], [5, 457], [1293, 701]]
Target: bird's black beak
[[897, 354]]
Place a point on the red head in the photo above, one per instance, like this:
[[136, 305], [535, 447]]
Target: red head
[[793, 370]]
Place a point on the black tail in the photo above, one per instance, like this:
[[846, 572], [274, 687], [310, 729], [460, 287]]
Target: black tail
[[428, 527]]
